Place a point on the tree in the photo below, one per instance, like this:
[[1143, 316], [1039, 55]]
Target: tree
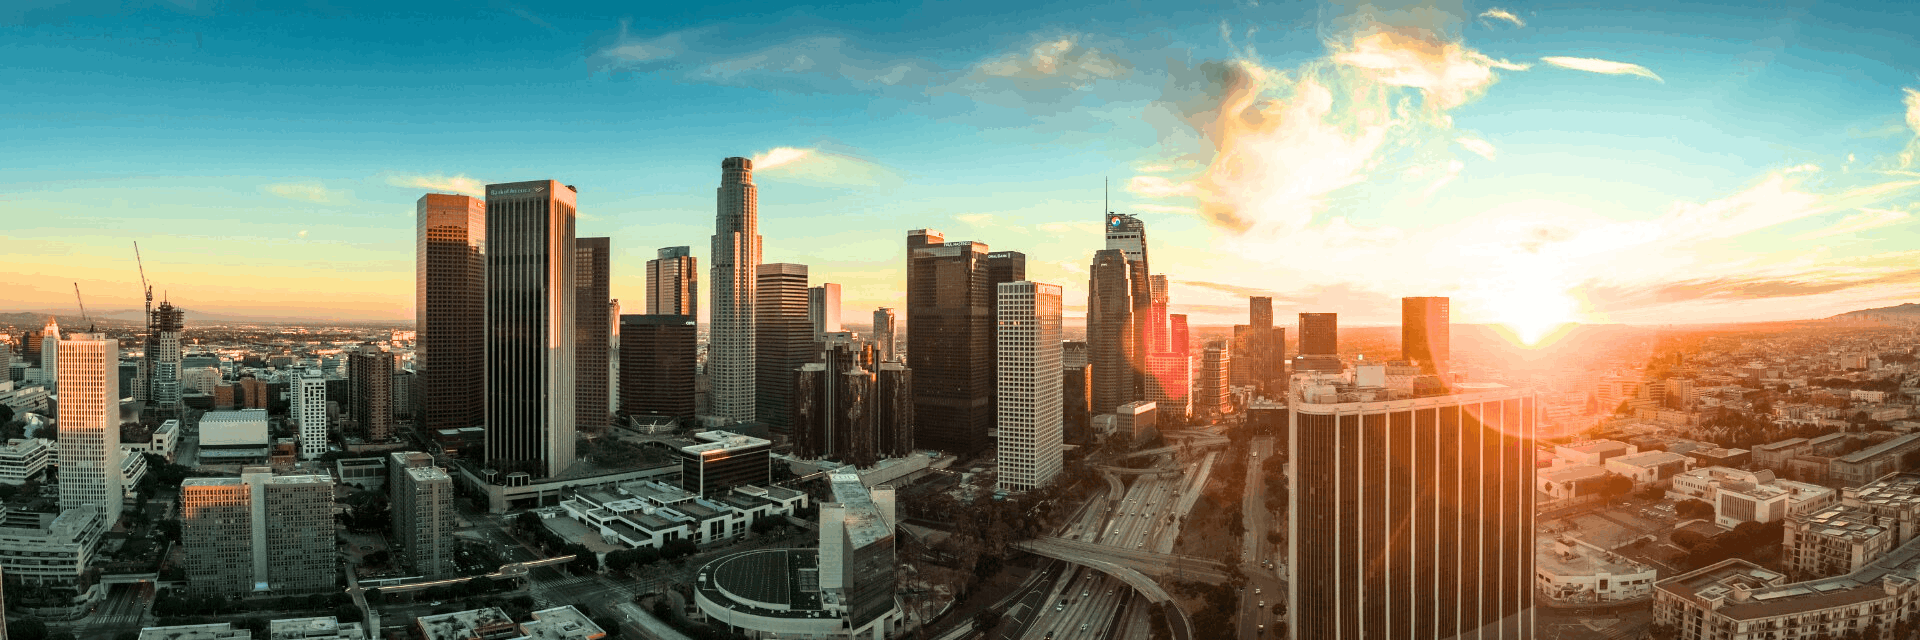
[[985, 620], [348, 613], [1691, 509], [26, 629], [1687, 539]]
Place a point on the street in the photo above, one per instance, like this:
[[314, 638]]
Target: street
[[1264, 587]]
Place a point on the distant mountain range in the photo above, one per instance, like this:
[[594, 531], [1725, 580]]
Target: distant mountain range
[[134, 317], [1908, 311]]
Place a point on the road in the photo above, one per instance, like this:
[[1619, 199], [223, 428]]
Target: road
[[123, 609], [1264, 589]]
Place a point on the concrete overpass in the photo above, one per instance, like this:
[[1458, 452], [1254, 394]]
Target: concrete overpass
[[1142, 563]]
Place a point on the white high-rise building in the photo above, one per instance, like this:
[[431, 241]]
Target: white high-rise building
[[731, 331], [823, 308], [309, 409], [1029, 384], [883, 332], [89, 375], [50, 354]]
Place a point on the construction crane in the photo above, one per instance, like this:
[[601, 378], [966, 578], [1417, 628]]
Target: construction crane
[[83, 307], [143, 284]]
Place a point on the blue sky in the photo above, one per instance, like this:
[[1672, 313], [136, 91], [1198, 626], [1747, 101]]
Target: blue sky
[[1540, 162]]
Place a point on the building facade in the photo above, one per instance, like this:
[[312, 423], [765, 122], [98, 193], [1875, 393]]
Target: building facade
[[1110, 334], [1212, 395], [424, 519], [449, 310], [1426, 332], [732, 333], [1411, 517], [259, 533], [371, 371], [308, 391], [783, 340], [949, 341], [89, 374], [885, 333], [531, 329], [1030, 403], [673, 283], [720, 460], [594, 333], [658, 363]]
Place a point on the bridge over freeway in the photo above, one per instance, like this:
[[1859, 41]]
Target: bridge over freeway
[[1136, 562]]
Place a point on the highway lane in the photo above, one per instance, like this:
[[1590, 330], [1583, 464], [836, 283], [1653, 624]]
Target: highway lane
[[1264, 588]]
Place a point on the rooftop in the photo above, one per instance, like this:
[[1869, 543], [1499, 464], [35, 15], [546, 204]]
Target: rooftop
[[464, 625], [1649, 459], [210, 631], [1572, 473], [1771, 595], [1897, 489], [1565, 556], [1596, 446], [327, 627], [865, 524], [561, 623], [785, 579], [720, 442], [1864, 454], [1842, 521]]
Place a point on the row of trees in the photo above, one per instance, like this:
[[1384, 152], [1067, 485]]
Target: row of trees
[[529, 526], [1747, 540]]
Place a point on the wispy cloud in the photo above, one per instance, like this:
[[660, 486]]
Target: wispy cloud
[[1913, 122], [975, 219], [1480, 147], [1866, 219], [306, 191], [821, 166], [1497, 13], [1596, 65], [457, 183]]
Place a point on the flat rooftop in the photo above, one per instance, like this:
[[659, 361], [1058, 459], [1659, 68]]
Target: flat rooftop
[[1842, 521], [1596, 446], [1649, 458], [1899, 489], [1568, 557], [718, 442], [864, 522], [211, 631], [786, 578], [1879, 449]]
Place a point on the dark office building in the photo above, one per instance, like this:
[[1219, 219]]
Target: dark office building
[[1319, 342], [1413, 518], [721, 460], [449, 311], [1076, 419], [531, 325], [1110, 334], [593, 276], [848, 412], [1426, 332], [783, 340], [893, 410], [1002, 266], [950, 319], [370, 372], [658, 360], [1128, 235]]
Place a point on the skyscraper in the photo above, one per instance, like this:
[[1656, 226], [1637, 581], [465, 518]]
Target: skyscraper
[[1171, 375], [594, 346], [731, 332], [848, 412], [450, 307], [1412, 518], [1426, 332], [659, 356], [370, 371], [783, 340], [1212, 396], [883, 333], [421, 496], [1002, 267], [163, 357], [1129, 235], [1319, 342], [1268, 345], [1110, 334], [259, 533], [50, 353], [89, 378], [1177, 332], [823, 309], [950, 318], [1030, 394], [673, 283], [1157, 315], [309, 411], [532, 328]]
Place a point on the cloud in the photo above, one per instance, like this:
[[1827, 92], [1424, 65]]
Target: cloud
[[975, 219], [1866, 219], [1497, 13], [307, 191], [821, 166], [625, 52], [1481, 147], [457, 183], [303, 233], [1234, 289], [1596, 65], [1913, 122]]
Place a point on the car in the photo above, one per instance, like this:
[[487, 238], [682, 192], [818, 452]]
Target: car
[[1263, 604], [1061, 606], [1083, 594], [1083, 626], [1256, 591]]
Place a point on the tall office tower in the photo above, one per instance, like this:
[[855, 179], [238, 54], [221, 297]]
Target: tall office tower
[[6, 366], [613, 357], [1157, 315], [1129, 235], [1411, 518], [30, 348], [1030, 393], [884, 333], [50, 353], [1002, 267], [593, 344], [421, 496], [89, 378], [259, 533], [450, 307], [1212, 395], [163, 357], [370, 371], [309, 411], [1177, 332], [532, 327], [731, 331], [1076, 391], [1110, 334], [406, 395], [823, 309], [1266, 343], [659, 358], [893, 420], [673, 283], [950, 318], [1319, 342], [1241, 374], [856, 562], [832, 416], [1426, 332], [783, 340]]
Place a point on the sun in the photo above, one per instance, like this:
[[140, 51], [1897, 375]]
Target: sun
[[1534, 318]]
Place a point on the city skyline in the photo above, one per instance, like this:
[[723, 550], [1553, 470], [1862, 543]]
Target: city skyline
[[1765, 213]]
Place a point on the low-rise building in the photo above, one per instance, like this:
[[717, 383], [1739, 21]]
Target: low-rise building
[[1574, 481], [25, 459], [322, 628], [1593, 452], [1720, 457], [651, 514], [1572, 571], [234, 437], [1739, 600], [1649, 467], [719, 460], [559, 623], [1834, 541], [48, 549], [365, 473], [1863, 466]]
